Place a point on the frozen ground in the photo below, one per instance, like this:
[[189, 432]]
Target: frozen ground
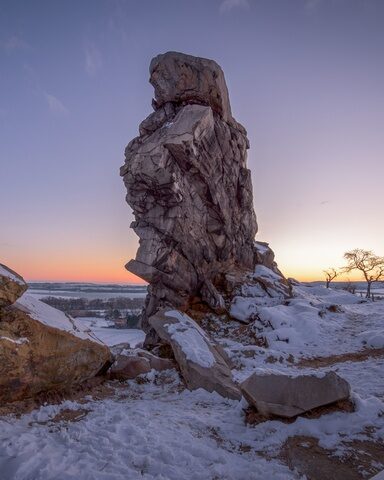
[[157, 430], [112, 336]]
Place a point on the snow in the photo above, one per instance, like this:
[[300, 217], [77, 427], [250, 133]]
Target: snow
[[18, 341], [262, 248], [317, 322], [7, 273], [115, 336], [155, 429], [52, 317], [373, 338], [192, 340], [263, 271], [295, 325], [149, 432], [243, 308], [379, 476]]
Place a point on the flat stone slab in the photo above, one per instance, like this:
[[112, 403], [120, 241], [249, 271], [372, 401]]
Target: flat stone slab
[[199, 359], [286, 396]]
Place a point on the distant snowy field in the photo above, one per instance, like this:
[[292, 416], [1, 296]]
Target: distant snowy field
[[89, 291], [112, 336]]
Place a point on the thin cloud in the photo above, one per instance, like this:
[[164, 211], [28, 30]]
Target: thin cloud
[[55, 105], [93, 59], [312, 4], [228, 5], [13, 43]]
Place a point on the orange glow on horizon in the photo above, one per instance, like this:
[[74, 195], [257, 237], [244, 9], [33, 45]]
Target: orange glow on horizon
[[73, 270]]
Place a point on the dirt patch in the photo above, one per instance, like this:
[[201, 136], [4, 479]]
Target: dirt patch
[[69, 415], [361, 459], [253, 417], [343, 357], [98, 388]]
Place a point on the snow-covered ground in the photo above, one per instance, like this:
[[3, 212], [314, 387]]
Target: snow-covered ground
[[104, 331], [156, 430]]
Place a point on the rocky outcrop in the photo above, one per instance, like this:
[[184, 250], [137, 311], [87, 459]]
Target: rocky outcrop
[[285, 396], [12, 286], [43, 349], [201, 362], [191, 192]]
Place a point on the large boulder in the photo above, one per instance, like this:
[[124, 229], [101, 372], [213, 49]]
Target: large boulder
[[200, 361], [286, 396], [12, 286], [191, 192], [43, 349]]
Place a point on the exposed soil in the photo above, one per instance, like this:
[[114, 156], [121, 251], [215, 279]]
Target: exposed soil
[[361, 460], [253, 417], [98, 388], [343, 357]]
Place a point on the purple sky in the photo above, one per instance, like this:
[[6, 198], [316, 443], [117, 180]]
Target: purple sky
[[305, 78]]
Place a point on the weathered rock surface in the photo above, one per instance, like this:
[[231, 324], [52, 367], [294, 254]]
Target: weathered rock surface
[[42, 349], [157, 363], [191, 192], [129, 367], [185, 79], [137, 362], [285, 396], [12, 286], [199, 359]]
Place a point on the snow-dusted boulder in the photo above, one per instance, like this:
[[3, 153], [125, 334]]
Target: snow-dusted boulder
[[286, 396], [12, 286], [43, 349], [199, 359]]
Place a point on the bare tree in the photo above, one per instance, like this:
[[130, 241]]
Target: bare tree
[[371, 266], [330, 275]]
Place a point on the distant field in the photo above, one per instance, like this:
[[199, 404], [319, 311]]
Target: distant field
[[89, 291], [361, 287]]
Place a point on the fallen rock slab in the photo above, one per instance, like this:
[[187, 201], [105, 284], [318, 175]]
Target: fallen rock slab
[[42, 349], [200, 362], [129, 367], [157, 363], [12, 286], [131, 364], [286, 396]]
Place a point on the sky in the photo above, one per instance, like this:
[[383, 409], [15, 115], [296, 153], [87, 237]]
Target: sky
[[305, 78]]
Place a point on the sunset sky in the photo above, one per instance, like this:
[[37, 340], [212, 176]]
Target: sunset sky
[[305, 77]]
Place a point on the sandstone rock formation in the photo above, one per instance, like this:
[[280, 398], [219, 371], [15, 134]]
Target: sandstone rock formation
[[199, 358], [43, 349], [12, 286], [285, 396], [191, 192]]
